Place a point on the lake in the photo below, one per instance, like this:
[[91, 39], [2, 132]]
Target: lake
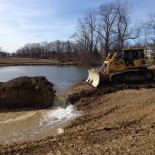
[[23, 125], [60, 76]]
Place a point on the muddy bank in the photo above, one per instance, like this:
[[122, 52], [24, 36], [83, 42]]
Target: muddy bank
[[26, 92], [83, 89], [116, 119]]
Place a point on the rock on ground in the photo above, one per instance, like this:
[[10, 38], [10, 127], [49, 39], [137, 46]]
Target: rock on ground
[[26, 92]]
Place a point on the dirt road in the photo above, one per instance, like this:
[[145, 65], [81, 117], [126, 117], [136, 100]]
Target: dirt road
[[116, 120]]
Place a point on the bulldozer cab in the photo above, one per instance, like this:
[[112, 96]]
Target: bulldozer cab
[[134, 57]]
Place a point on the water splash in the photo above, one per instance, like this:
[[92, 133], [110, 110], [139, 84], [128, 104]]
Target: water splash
[[35, 124], [59, 116]]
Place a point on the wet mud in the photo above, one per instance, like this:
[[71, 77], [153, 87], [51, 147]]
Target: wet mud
[[116, 119]]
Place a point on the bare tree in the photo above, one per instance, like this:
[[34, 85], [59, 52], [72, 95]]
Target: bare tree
[[80, 35], [91, 26], [125, 30], [107, 25], [46, 48], [86, 34], [150, 26], [151, 22], [31, 50]]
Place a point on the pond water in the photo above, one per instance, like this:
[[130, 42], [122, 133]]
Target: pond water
[[60, 76], [23, 125]]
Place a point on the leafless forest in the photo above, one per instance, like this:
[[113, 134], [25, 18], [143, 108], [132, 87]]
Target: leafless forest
[[108, 28]]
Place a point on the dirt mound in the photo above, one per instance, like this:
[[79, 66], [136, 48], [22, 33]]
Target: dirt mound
[[83, 89], [26, 92]]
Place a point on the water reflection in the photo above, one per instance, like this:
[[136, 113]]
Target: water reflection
[[60, 76]]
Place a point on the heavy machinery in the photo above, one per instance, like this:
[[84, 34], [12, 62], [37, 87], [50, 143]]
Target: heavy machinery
[[130, 66]]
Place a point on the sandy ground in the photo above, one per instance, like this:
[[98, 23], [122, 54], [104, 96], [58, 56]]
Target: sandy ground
[[116, 119]]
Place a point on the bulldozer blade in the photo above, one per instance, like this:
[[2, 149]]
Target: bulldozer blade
[[93, 77]]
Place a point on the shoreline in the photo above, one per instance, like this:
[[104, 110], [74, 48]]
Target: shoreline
[[38, 64], [115, 120], [35, 62], [54, 64]]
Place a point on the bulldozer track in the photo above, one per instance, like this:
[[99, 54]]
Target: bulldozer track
[[133, 75]]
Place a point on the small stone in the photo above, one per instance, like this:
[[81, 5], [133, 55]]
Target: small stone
[[60, 130]]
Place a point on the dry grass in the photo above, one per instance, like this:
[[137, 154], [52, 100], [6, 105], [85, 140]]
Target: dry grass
[[31, 61], [14, 60]]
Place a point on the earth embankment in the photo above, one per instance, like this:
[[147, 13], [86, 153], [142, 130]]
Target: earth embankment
[[26, 92], [116, 119]]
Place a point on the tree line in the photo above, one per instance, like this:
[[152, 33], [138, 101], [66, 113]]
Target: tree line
[[46, 50], [108, 28], [60, 50]]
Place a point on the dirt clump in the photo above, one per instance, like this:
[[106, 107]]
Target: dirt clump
[[116, 119], [26, 92]]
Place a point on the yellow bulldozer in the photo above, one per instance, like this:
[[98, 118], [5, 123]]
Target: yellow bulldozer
[[131, 65]]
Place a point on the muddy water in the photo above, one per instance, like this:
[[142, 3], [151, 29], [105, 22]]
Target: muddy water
[[27, 124]]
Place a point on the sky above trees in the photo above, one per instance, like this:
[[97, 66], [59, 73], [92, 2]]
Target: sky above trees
[[29, 21]]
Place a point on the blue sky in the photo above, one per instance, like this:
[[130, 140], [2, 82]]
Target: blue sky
[[28, 21]]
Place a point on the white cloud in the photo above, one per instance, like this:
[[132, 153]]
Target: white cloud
[[23, 21]]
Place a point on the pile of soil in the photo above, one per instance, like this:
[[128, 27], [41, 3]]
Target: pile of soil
[[116, 119], [26, 92]]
